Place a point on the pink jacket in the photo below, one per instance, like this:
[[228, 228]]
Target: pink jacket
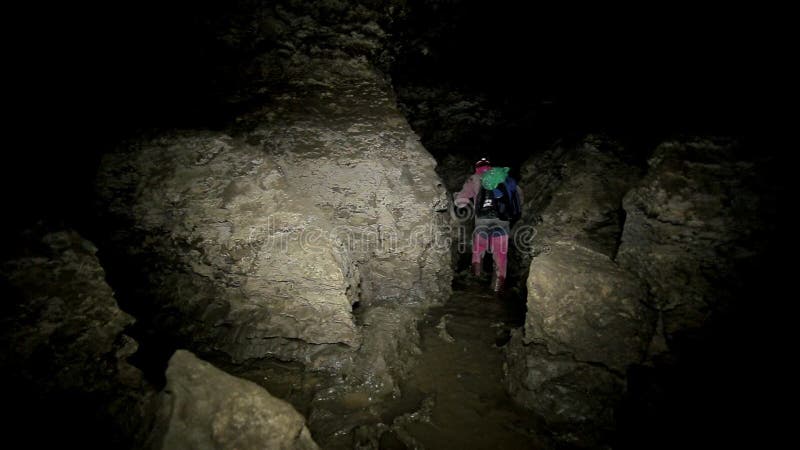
[[469, 191]]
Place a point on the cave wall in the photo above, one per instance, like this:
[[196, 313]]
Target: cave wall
[[64, 349], [611, 293], [586, 320], [700, 216], [66, 371], [259, 240]]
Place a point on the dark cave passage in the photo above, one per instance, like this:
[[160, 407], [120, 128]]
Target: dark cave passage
[[269, 186]]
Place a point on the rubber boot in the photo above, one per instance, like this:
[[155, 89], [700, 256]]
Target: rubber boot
[[476, 269], [499, 285]]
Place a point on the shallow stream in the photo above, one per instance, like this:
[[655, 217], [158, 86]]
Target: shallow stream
[[454, 397]]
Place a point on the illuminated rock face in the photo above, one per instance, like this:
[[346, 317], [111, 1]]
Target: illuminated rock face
[[259, 241], [586, 323], [204, 407], [581, 303], [609, 290], [575, 195]]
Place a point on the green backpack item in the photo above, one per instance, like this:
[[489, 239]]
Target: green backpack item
[[494, 176]]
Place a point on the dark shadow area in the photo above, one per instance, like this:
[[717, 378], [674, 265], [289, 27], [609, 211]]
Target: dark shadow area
[[93, 76], [513, 78], [723, 384], [67, 419], [154, 329]]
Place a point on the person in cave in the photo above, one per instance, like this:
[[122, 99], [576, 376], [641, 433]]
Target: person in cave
[[496, 201]]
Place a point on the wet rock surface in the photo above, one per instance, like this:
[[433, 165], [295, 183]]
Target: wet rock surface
[[451, 397], [613, 295], [258, 241], [586, 321], [694, 226], [309, 233], [575, 400], [574, 194], [582, 304], [63, 347], [202, 407], [702, 233]]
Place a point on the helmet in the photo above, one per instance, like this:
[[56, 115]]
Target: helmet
[[482, 162]]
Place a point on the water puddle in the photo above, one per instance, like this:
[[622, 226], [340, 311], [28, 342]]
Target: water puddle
[[461, 370]]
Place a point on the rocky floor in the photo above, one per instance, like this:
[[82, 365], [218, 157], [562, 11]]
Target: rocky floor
[[453, 397]]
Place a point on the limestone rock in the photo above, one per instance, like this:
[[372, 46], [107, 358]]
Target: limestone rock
[[576, 193], [64, 315], [577, 400], [693, 223], [258, 242], [203, 407], [586, 319], [581, 303], [62, 341]]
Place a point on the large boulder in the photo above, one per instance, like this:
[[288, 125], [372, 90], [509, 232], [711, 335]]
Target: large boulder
[[586, 324], [586, 319], [693, 225], [202, 407], [259, 241], [582, 304], [701, 233], [63, 348], [608, 298]]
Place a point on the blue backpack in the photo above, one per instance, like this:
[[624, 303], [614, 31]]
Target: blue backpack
[[500, 203]]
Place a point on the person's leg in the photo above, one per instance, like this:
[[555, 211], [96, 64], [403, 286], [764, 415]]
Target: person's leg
[[499, 246], [480, 243]]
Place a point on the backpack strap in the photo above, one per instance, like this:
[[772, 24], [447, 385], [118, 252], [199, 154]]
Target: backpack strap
[[511, 190], [511, 185]]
